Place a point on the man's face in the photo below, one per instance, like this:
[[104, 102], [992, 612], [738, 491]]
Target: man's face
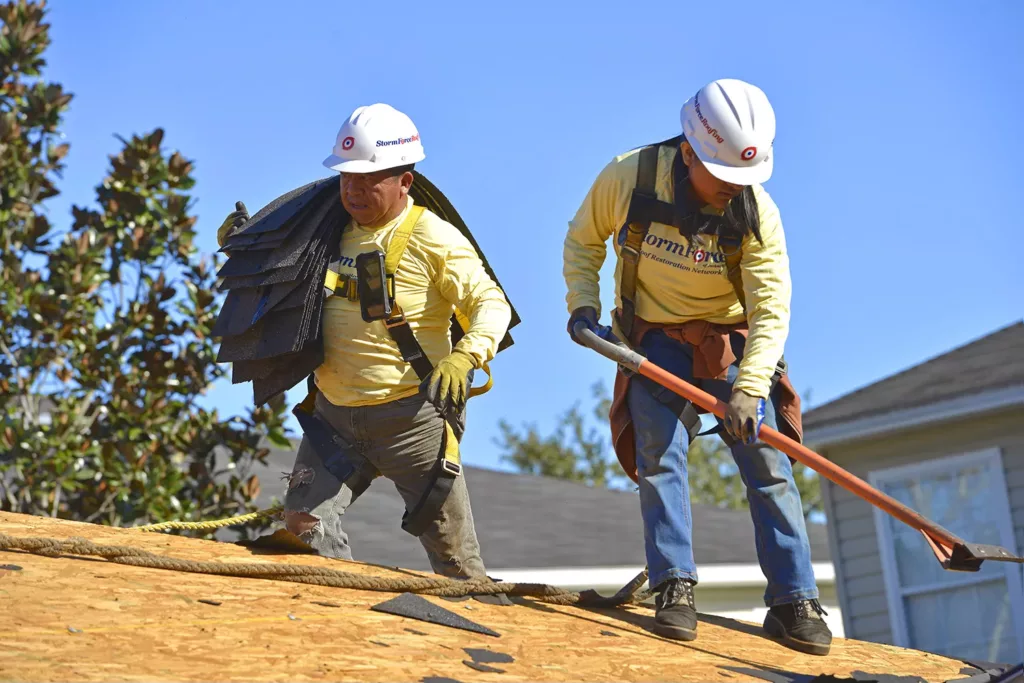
[[373, 199], [709, 189]]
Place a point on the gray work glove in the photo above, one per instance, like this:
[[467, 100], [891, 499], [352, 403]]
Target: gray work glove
[[744, 416]]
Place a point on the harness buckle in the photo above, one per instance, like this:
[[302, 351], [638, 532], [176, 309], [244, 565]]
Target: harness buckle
[[396, 321], [451, 467], [628, 253]]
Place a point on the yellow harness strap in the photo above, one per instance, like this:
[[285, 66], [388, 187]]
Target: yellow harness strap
[[396, 249], [400, 240], [452, 459], [341, 285]]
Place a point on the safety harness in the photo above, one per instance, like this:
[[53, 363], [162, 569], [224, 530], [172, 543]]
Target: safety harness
[[344, 461], [645, 208]]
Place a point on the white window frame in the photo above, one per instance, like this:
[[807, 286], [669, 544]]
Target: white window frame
[[1004, 521]]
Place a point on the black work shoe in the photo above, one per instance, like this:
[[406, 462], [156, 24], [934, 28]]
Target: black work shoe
[[799, 625], [675, 613]]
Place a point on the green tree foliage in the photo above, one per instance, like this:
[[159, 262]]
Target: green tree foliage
[[105, 348], [579, 452]]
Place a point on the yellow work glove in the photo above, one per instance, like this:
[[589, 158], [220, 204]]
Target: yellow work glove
[[235, 220], [448, 385]]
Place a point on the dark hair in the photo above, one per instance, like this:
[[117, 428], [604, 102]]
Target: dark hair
[[741, 216]]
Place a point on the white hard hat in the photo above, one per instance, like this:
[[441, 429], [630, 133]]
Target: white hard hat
[[374, 138], [731, 126]]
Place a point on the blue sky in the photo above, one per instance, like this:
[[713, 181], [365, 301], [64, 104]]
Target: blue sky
[[898, 153]]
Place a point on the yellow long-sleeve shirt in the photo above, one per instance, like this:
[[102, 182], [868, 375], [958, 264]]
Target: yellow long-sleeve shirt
[[678, 281], [439, 270]]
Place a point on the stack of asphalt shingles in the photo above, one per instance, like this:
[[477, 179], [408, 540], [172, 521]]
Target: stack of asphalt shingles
[[270, 324]]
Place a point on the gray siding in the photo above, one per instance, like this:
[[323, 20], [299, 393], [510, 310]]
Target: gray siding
[[858, 566]]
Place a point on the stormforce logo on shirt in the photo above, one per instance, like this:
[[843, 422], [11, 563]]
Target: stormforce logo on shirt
[[702, 259], [397, 141], [713, 132]]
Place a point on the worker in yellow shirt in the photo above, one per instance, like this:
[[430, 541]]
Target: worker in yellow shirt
[[702, 290], [369, 389]]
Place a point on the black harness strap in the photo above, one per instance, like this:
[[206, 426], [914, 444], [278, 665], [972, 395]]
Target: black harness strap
[[428, 507], [638, 223], [683, 409], [412, 353], [448, 466]]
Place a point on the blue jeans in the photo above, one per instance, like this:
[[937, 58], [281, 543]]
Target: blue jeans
[[775, 508]]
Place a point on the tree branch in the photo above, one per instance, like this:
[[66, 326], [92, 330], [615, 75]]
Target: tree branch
[[138, 282], [104, 506], [56, 498]]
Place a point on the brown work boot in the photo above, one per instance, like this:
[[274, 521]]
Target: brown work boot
[[799, 625], [675, 613]]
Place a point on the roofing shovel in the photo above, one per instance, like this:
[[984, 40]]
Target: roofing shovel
[[952, 552]]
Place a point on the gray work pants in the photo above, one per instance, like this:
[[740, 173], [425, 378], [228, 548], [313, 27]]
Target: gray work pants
[[402, 440]]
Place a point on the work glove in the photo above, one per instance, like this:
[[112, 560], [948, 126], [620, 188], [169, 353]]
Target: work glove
[[744, 416], [448, 385], [235, 220], [588, 315]]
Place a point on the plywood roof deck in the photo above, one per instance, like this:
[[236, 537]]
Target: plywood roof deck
[[77, 619]]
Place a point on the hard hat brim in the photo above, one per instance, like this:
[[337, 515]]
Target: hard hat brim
[[336, 163], [740, 175], [342, 165]]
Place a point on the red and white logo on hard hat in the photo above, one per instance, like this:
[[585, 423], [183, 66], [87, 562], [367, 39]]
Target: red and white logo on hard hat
[[348, 142], [749, 153]]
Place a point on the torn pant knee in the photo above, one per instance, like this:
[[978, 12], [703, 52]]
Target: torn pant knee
[[324, 535], [314, 505], [303, 525]]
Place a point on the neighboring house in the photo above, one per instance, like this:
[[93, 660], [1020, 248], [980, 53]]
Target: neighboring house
[[945, 437], [546, 530]]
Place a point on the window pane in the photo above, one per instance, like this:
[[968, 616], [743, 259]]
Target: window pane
[[958, 501], [965, 623]]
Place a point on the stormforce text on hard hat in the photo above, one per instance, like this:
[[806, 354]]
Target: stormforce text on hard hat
[[397, 141], [713, 132]]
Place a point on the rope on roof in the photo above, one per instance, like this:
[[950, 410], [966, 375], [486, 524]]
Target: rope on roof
[[324, 576]]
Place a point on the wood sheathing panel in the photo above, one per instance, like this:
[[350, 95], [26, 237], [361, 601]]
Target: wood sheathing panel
[[136, 624]]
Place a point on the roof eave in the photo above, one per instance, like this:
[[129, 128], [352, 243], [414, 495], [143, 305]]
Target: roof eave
[[858, 429]]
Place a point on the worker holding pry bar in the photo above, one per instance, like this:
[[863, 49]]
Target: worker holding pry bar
[[703, 291]]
